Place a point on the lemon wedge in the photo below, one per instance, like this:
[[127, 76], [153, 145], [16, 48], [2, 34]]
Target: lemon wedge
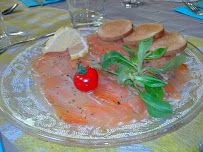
[[67, 38]]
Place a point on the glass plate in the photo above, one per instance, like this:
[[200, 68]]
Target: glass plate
[[23, 104]]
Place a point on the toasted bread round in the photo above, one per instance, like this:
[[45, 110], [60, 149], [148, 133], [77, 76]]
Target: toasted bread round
[[115, 30], [174, 41], [144, 31]]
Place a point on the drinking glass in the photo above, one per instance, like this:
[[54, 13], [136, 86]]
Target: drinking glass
[[4, 37], [130, 3], [7, 38], [85, 13]]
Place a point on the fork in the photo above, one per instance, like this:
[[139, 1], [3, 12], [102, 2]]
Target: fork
[[192, 7]]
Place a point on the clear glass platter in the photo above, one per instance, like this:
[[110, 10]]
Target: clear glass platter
[[23, 104]]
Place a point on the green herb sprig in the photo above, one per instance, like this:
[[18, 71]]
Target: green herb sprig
[[131, 72]]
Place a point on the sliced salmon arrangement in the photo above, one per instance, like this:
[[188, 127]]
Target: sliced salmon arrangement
[[110, 104]]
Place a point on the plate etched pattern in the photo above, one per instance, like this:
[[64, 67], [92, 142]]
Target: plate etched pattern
[[25, 105]]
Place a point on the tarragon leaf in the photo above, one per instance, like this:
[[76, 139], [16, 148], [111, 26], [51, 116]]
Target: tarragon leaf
[[155, 91], [112, 57], [96, 66], [157, 108], [143, 47], [128, 82], [173, 63], [139, 83], [131, 53], [150, 81], [156, 54], [154, 70], [123, 78], [123, 67]]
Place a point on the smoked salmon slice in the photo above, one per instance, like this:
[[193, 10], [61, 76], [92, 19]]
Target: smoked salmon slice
[[177, 81], [69, 117], [109, 91], [139, 107], [110, 104], [111, 115], [98, 47]]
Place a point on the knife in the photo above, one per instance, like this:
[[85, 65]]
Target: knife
[[39, 2], [25, 41]]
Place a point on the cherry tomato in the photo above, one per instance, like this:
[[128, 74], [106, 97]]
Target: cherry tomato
[[86, 78]]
